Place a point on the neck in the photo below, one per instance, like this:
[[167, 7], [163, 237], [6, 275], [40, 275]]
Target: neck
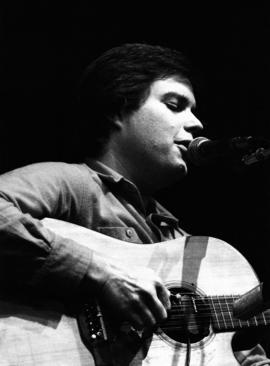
[[122, 165]]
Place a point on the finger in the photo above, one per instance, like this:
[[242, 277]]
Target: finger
[[146, 315], [155, 306], [160, 301], [135, 321], [141, 316], [158, 309], [164, 295]]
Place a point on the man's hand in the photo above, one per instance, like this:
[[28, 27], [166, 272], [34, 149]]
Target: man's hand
[[134, 295], [138, 296]]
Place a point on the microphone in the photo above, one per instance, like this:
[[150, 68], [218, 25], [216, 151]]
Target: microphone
[[202, 151], [252, 302]]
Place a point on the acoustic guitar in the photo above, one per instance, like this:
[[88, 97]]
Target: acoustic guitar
[[204, 275]]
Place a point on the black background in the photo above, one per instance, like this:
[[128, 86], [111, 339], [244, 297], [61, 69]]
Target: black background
[[46, 45]]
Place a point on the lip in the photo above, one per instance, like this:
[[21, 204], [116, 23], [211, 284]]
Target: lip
[[183, 145]]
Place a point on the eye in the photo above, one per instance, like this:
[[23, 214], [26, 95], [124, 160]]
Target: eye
[[176, 106], [177, 103]]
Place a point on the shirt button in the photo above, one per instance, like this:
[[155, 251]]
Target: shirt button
[[129, 233]]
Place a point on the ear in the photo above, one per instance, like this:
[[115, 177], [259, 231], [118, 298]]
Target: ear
[[118, 121]]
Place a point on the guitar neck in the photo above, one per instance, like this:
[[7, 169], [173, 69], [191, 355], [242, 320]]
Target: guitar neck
[[223, 319]]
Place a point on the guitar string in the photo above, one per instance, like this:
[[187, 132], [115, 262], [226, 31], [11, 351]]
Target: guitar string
[[203, 325], [211, 313], [227, 319], [224, 321], [216, 306], [224, 324], [251, 321], [228, 315]]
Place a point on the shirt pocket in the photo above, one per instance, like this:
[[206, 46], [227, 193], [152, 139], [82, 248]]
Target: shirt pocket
[[122, 233]]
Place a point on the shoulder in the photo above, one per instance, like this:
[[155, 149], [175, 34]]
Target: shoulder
[[49, 169], [49, 174]]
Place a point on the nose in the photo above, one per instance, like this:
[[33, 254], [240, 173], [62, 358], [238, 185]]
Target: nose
[[192, 124]]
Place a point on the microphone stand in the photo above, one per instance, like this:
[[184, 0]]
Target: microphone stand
[[259, 155]]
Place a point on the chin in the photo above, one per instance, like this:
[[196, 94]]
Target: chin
[[177, 173], [182, 171], [181, 167]]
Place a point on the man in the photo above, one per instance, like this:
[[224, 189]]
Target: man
[[136, 105]]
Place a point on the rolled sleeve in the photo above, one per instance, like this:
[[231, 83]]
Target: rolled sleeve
[[31, 256], [64, 268]]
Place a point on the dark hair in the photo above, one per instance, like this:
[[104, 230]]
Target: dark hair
[[118, 82]]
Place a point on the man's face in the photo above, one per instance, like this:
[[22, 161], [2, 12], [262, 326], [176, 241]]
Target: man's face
[[157, 134]]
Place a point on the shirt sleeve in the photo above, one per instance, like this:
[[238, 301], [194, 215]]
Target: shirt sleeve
[[253, 357], [30, 254]]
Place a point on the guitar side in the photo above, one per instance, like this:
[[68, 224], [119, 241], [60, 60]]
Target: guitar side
[[41, 334]]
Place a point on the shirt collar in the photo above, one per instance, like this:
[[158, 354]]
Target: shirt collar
[[110, 175], [104, 172], [117, 182]]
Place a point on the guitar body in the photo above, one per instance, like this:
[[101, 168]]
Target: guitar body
[[34, 332]]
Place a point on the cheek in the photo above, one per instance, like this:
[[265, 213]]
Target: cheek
[[154, 128]]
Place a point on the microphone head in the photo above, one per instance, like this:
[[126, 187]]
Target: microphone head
[[202, 151], [195, 151]]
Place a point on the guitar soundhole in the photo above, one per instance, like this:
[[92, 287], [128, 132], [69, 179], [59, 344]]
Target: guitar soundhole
[[189, 317]]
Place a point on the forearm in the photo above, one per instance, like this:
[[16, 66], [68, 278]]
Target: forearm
[[30, 254], [34, 257]]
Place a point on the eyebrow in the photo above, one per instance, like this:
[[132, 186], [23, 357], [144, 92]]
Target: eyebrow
[[180, 97]]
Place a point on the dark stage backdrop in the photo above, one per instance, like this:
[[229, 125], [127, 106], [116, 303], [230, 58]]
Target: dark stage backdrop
[[46, 46]]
